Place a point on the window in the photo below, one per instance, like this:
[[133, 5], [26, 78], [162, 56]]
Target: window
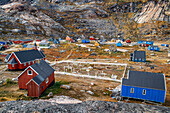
[[144, 92], [132, 90], [46, 80], [12, 65], [25, 64], [29, 72], [29, 62], [33, 62]]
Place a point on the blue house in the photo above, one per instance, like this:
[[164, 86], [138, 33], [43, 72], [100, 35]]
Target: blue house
[[166, 45], [145, 42], [153, 48], [149, 42], [119, 44], [138, 56], [144, 85], [140, 42], [85, 41], [56, 41]]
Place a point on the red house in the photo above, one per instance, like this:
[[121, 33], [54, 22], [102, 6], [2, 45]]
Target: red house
[[128, 41], [36, 78], [92, 38], [22, 59]]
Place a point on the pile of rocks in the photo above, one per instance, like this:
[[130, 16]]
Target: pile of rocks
[[84, 107]]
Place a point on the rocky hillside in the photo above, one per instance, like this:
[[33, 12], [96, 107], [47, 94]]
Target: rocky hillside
[[154, 11], [84, 107], [58, 18]]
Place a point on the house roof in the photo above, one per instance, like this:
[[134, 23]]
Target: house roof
[[13, 61], [153, 46], [29, 55], [139, 54], [38, 79], [8, 55], [43, 69], [145, 80]]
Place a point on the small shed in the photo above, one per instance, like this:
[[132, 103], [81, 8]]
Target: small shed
[[153, 48], [119, 44], [144, 85], [149, 42], [139, 42], [128, 41], [2, 43], [56, 41], [68, 38], [85, 41], [165, 45], [92, 38]]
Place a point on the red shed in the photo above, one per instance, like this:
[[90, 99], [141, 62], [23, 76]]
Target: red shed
[[92, 38], [36, 78], [23, 59], [128, 41]]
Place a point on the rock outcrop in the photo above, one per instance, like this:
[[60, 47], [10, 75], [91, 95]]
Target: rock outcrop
[[158, 11], [84, 107], [28, 19]]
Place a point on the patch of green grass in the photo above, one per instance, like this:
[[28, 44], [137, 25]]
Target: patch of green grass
[[9, 81], [23, 97], [55, 89]]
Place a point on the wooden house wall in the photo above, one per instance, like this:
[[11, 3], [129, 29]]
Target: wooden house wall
[[25, 78], [33, 89], [20, 66], [151, 94], [44, 85]]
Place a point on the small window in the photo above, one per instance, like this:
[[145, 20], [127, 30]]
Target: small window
[[144, 92], [29, 72], [46, 80], [25, 64], [29, 63], [132, 90], [42, 87], [12, 65]]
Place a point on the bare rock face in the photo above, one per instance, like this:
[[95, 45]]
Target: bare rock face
[[154, 11], [28, 20], [52, 106]]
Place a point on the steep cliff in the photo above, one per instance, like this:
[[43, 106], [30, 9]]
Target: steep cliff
[[152, 11]]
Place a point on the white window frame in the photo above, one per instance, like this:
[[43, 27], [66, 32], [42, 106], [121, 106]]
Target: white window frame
[[30, 71], [12, 65], [131, 90], [144, 92], [46, 80], [25, 64]]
